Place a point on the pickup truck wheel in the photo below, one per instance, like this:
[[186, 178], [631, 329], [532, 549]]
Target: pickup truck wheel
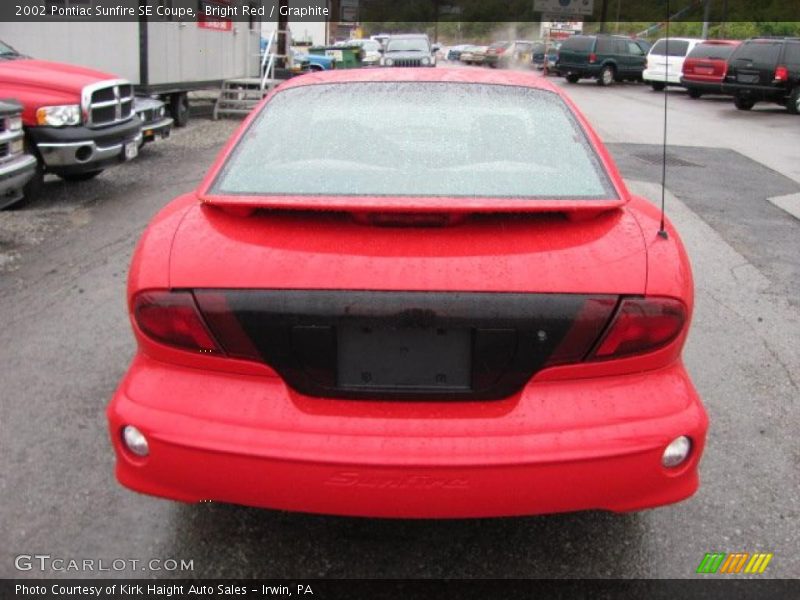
[[657, 86], [179, 108], [793, 103], [694, 93], [75, 177], [743, 103], [606, 76], [572, 78]]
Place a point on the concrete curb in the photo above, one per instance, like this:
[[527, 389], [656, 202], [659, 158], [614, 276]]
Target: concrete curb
[[789, 203]]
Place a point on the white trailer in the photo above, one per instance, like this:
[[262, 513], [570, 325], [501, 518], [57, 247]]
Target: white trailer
[[162, 57]]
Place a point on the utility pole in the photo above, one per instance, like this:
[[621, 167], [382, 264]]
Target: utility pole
[[706, 13], [603, 14], [283, 27], [436, 21]]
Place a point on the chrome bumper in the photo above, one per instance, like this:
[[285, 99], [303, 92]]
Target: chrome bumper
[[14, 174], [162, 128], [17, 168], [66, 154]]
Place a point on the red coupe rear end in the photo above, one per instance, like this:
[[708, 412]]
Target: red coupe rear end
[[439, 301], [706, 66]]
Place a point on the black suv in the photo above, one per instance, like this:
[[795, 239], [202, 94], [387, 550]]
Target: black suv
[[608, 58], [765, 70]]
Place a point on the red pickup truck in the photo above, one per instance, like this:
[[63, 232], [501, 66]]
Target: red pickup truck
[[77, 121]]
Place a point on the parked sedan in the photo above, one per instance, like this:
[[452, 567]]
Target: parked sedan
[[474, 55], [509, 54], [705, 68], [454, 52], [419, 311]]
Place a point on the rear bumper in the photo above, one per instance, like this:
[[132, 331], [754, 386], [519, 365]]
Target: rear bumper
[[707, 86], [660, 76], [578, 69], [556, 446], [758, 92]]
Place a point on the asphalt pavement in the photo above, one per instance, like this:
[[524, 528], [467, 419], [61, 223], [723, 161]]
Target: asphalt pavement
[[65, 342]]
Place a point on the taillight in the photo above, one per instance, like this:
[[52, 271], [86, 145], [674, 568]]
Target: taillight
[[592, 57], [172, 318], [781, 73], [225, 325], [641, 325], [589, 323]]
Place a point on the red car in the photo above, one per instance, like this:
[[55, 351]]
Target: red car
[[412, 308], [706, 65]]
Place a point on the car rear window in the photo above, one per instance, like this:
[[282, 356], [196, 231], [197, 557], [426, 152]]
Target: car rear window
[[759, 53], [712, 51], [792, 55], [578, 43], [415, 139], [674, 47]]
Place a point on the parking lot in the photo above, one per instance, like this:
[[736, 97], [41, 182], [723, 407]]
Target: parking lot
[[65, 342]]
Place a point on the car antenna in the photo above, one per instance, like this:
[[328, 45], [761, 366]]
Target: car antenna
[[662, 232]]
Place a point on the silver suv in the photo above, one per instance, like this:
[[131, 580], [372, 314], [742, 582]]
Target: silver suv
[[409, 50]]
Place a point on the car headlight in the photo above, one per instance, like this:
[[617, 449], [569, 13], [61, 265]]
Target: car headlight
[[14, 123], [59, 116], [426, 60], [388, 62]]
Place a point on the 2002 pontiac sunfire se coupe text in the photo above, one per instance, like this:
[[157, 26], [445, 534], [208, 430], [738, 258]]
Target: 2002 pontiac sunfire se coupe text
[[440, 300]]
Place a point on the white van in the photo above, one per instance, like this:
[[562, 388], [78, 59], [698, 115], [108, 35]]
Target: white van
[[665, 61]]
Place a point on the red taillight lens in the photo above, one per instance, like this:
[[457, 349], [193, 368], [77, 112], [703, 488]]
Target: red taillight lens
[[781, 73], [172, 318], [592, 57], [642, 325]]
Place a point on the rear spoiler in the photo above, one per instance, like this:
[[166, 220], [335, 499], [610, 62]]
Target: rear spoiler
[[245, 205]]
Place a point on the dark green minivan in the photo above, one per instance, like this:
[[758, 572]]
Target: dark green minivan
[[607, 58]]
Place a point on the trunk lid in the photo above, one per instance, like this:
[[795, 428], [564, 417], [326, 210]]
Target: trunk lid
[[539, 252], [466, 311]]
